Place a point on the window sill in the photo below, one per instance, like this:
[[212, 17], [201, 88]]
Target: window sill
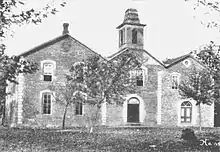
[[79, 115], [46, 114], [185, 124]]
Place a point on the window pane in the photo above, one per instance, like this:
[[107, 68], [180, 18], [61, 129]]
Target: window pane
[[182, 119], [134, 36], [188, 110], [182, 112], [186, 104], [174, 82], [49, 97], [46, 103], [140, 83], [188, 120], [121, 37], [47, 77], [48, 68], [133, 101], [78, 108], [45, 98]]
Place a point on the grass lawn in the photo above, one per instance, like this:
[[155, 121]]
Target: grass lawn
[[106, 139]]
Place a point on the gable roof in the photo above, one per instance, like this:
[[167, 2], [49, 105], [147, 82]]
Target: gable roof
[[53, 41], [126, 49], [177, 59], [171, 62]]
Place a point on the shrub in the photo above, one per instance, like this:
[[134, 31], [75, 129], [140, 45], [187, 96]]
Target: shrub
[[188, 135]]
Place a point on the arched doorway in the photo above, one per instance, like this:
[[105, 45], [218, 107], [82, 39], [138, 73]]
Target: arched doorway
[[133, 110]]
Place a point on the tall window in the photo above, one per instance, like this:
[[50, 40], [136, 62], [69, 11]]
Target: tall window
[[134, 36], [175, 81], [48, 71], [138, 75], [121, 35], [79, 108], [46, 101], [186, 112]]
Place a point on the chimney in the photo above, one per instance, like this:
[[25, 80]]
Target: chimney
[[65, 28]]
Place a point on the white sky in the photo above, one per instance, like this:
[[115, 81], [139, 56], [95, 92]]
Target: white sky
[[171, 29]]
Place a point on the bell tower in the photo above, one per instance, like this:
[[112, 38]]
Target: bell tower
[[131, 31]]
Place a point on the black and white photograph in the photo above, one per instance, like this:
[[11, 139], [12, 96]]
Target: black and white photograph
[[109, 75]]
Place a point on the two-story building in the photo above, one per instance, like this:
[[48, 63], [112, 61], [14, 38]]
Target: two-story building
[[159, 102]]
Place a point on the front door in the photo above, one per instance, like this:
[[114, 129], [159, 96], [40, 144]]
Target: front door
[[133, 110]]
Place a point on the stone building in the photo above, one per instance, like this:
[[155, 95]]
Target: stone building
[[158, 104]]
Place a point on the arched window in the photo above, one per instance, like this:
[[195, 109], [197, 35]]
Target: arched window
[[134, 36], [46, 98], [186, 112], [46, 102], [133, 100]]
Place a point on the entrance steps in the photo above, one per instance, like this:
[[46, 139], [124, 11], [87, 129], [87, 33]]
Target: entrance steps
[[133, 124]]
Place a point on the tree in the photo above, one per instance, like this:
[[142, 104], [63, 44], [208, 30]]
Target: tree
[[13, 12], [10, 68], [199, 86], [68, 93], [106, 81], [210, 10], [210, 57]]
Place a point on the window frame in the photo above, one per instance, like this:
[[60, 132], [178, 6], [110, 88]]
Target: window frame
[[41, 97], [183, 115], [134, 36], [52, 75], [47, 74], [144, 77], [175, 80], [121, 36], [187, 63], [48, 94], [79, 108]]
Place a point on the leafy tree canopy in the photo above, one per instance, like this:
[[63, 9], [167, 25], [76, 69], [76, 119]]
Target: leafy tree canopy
[[207, 11], [198, 86], [104, 80], [10, 67], [12, 13]]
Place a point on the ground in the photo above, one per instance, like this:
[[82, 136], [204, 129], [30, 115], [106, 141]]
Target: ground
[[106, 139]]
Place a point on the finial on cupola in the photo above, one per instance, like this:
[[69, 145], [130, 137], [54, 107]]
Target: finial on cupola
[[131, 16]]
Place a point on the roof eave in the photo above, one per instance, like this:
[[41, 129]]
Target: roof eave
[[43, 45], [137, 24]]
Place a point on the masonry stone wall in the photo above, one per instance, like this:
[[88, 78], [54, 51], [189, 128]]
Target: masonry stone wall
[[171, 98], [34, 84], [159, 103], [117, 114], [207, 112]]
